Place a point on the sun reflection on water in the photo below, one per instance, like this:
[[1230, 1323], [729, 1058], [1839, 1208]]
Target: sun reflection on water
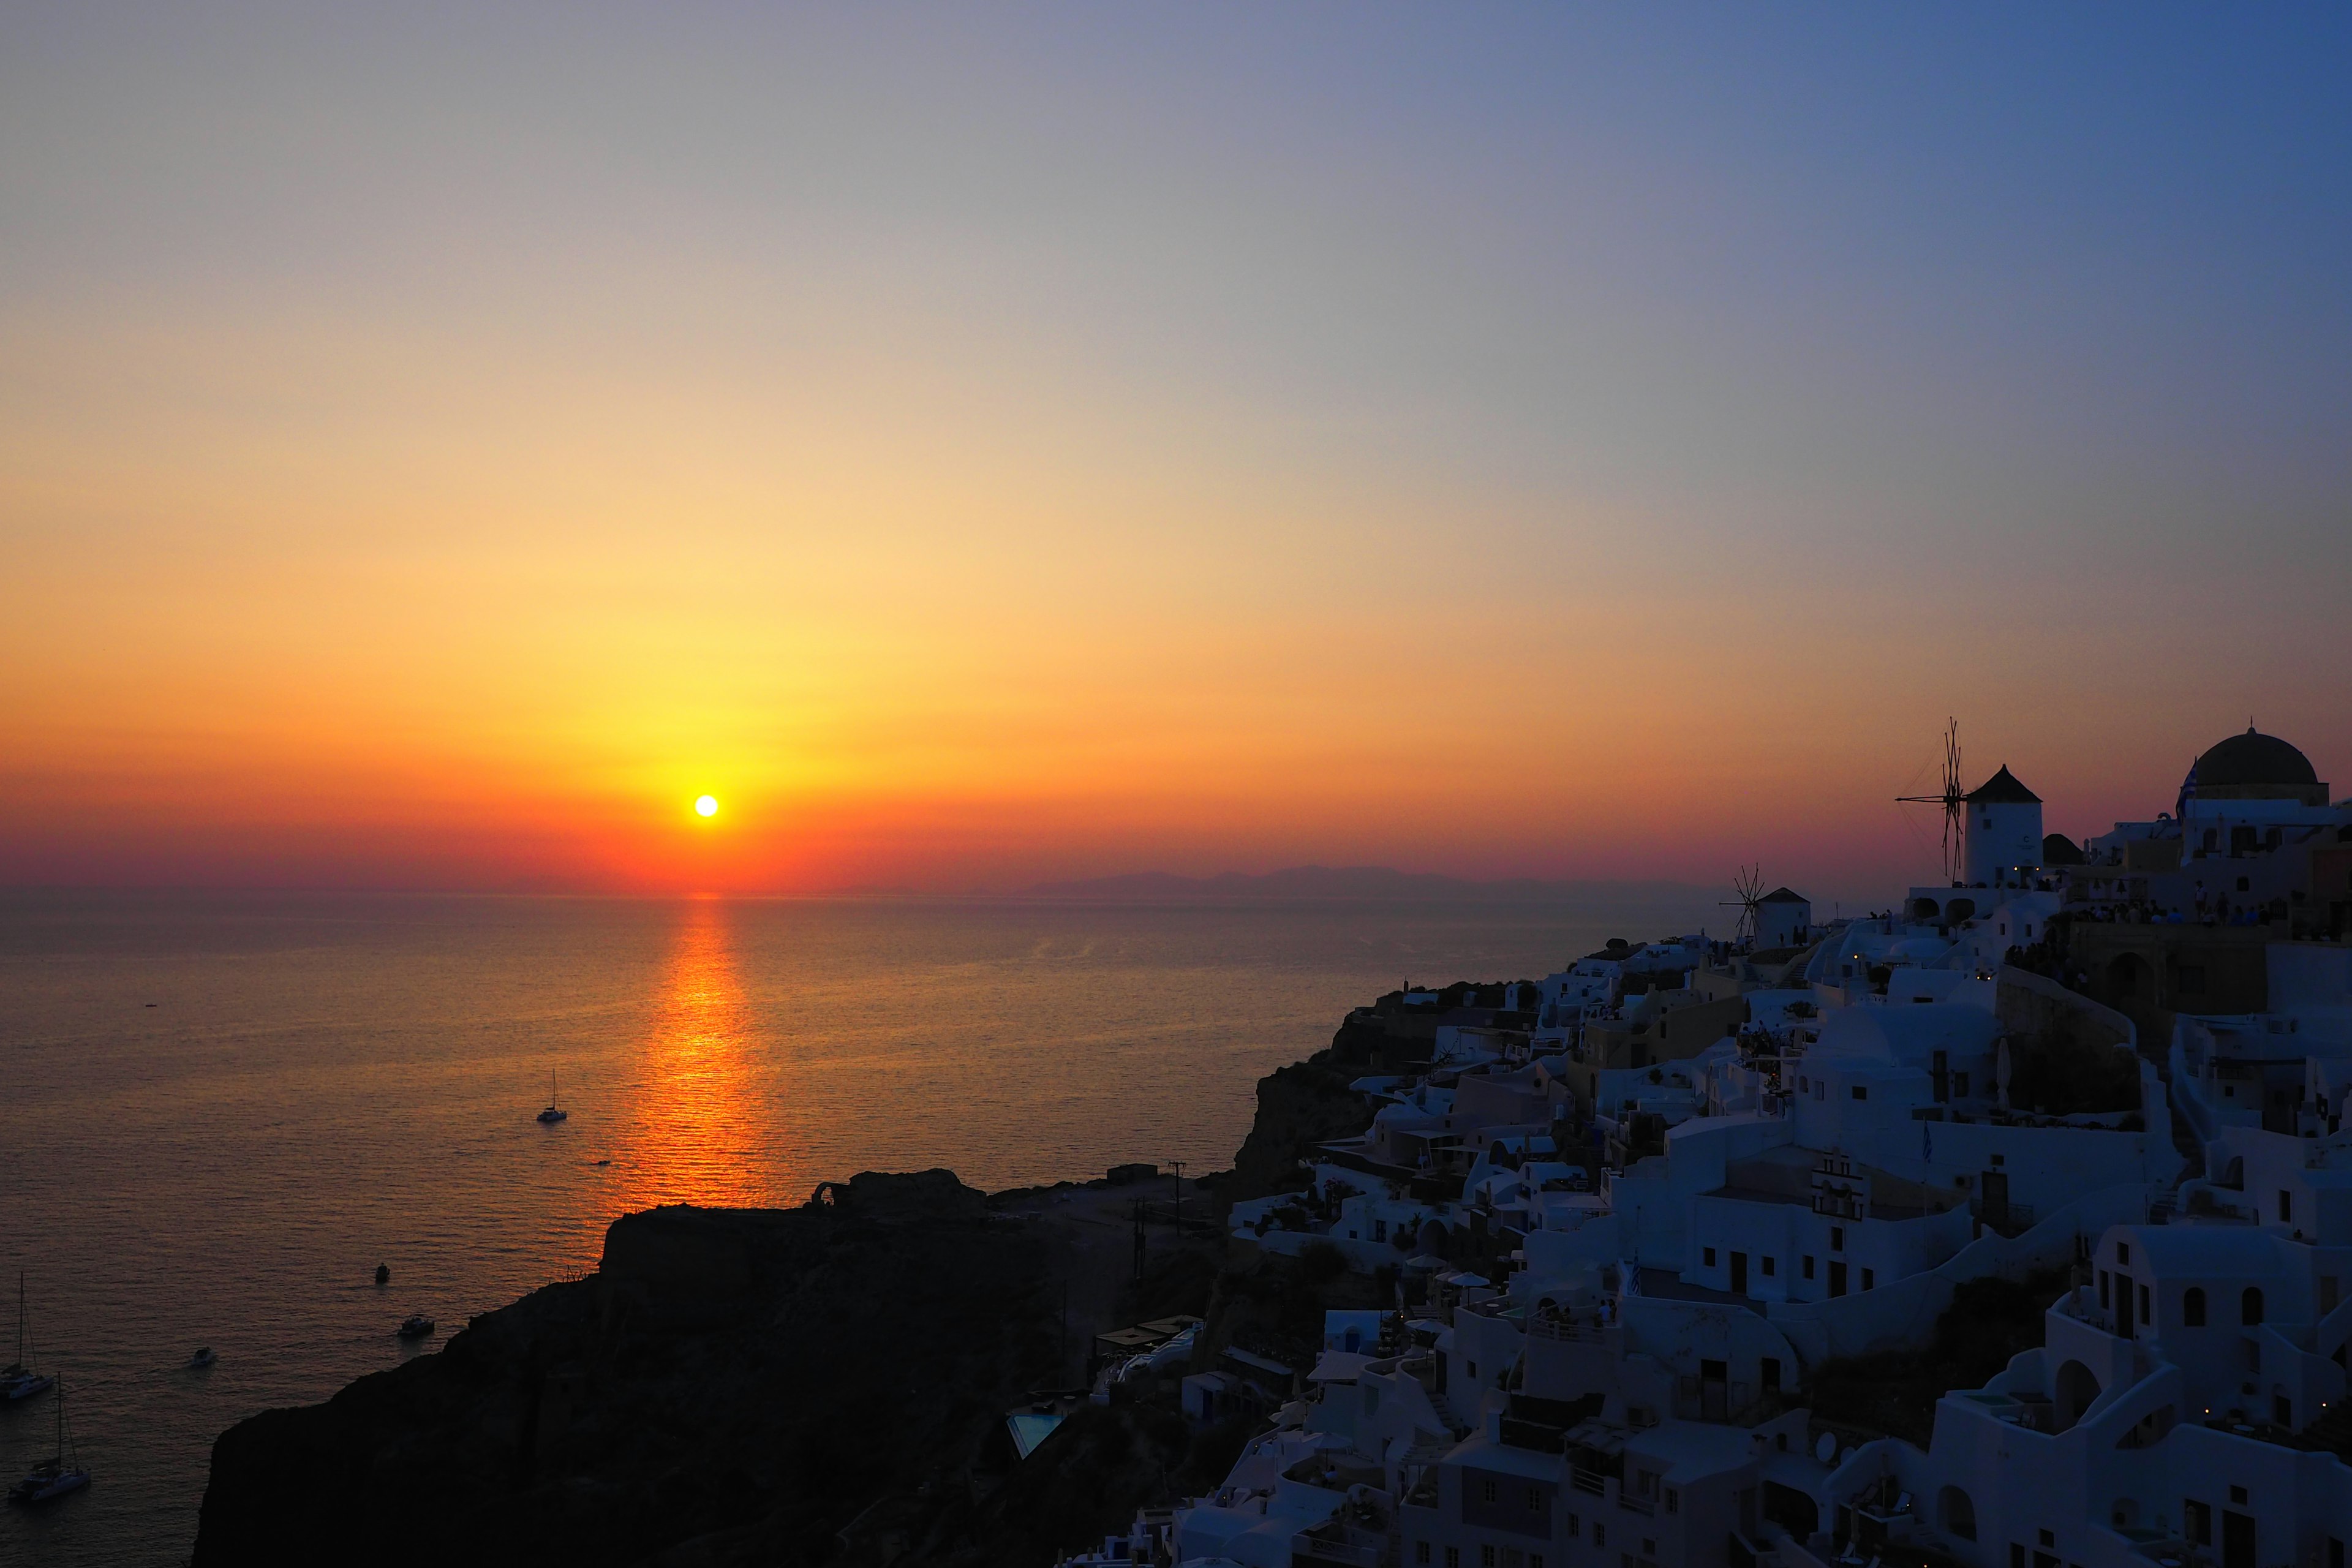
[[701, 1131]]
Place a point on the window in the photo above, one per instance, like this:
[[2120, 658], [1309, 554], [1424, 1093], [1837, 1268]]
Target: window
[[1420, 1551], [2192, 1308], [1600, 1533], [1771, 1372], [1768, 1266], [2123, 1252], [1869, 1279], [2145, 1315], [1470, 1368], [1960, 1086], [1534, 1499], [2250, 1307], [1575, 1525], [1453, 1557], [1486, 1491], [1379, 1230], [1808, 1267], [1820, 1089], [1837, 1239], [2048, 1538], [1486, 1557], [2197, 1522], [2105, 1281], [1862, 1091], [2287, 1205], [1707, 1256], [1673, 1500], [2238, 1495], [1535, 1559]]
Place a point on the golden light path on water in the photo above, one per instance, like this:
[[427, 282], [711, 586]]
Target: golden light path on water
[[700, 1129]]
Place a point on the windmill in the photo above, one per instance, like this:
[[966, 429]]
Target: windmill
[[1748, 883], [1954, 800]]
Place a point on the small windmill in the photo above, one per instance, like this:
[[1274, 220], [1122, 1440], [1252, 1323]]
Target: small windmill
[[1748, 883], [1955, 801]]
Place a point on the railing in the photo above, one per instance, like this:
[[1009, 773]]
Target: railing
[[1566, 1333]]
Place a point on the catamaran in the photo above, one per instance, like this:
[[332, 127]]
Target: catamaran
[[17, 1379], [59, 1474]]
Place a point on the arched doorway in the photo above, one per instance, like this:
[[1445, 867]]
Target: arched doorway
[[2074, 1391], [1956, 1514]]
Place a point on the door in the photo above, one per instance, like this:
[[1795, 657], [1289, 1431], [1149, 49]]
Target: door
[[1837, 1278], [1994, 1185], [1740, 1274], [1714, 1391], [2237, 1540]]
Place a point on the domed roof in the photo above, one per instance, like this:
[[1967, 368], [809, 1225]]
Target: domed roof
[[2254, 759]]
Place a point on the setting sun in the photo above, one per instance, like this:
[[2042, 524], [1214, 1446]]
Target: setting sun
[[706, 806]]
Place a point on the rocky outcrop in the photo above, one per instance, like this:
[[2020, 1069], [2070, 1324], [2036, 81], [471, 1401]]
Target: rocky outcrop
[[730, 1387], [1298, 1107]]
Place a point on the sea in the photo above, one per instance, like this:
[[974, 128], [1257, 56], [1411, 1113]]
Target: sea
[[219, 1113]]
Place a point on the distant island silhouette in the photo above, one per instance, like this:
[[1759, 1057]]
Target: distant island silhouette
[[1345, 882]]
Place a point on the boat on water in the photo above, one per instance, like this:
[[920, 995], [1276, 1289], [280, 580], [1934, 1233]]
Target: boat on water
[[554, 1112], [17, 1379], [59, 1474], [415, 1326], [204, 1357]]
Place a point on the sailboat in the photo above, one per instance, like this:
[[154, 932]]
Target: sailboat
[[17, 1380], [59, 1474], [554, 1112]]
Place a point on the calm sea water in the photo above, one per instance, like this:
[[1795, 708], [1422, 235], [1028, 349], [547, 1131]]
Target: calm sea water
[[219, 1113]]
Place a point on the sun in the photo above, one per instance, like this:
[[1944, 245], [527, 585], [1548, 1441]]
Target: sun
[[705, 806]]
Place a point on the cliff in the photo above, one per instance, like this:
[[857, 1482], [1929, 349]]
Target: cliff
[[820, 1385], [730, 1387]]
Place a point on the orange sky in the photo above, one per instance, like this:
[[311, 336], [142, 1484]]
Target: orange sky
[[1078, 463]]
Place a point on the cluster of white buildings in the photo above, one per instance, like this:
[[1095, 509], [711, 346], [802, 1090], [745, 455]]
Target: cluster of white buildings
[[1630, 1211]]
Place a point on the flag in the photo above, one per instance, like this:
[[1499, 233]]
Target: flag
[[2188, 793]]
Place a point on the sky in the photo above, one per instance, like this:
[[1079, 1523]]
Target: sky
[[986, 444]]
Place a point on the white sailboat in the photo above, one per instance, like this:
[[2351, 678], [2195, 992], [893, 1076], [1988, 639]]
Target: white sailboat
[[554, 1112]]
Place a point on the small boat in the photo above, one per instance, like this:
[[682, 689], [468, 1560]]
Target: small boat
[[17, 1379], [415, 1326], [59, 1474], [384, 1273], [204, 1357], [554, 1112]]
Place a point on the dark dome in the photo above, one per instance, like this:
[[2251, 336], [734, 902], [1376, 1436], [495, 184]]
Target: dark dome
[[2254, 761], [2057, 849]]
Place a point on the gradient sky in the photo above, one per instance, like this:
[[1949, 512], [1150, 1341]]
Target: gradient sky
[[983, 444]]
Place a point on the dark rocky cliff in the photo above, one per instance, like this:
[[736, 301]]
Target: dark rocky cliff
[[820, 1385], [730, 1387]]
